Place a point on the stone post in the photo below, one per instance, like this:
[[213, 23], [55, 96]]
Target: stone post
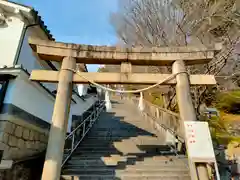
[[53, 160], [187, 111]]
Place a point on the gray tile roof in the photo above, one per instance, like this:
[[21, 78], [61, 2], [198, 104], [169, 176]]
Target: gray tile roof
[[38, 19]]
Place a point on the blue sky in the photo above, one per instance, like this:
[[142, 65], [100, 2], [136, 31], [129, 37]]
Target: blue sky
[[78, 21]]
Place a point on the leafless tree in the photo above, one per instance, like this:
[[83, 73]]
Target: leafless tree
[[182, 22]]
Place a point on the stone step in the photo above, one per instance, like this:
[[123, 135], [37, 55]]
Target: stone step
[[125, 172], [121, 150], [162, 163], [121, 162], [167, 165], [133, 152], [96, 150], [130, 160], [122, 166], [91, 148], [123, 136], [95, 145], [121, 123], [128, 127], [145, 157], [120, 145], [119, 134], [107, 155], [102, 138], [94, 141], [125, 128], [101, 160], [157, 158], [152, 139], [106, 177], [89, 162], [119, 173], [135, 127], [117, 144], [94, 154], [134, 140]]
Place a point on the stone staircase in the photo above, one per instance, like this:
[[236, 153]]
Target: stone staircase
[[121, 145]]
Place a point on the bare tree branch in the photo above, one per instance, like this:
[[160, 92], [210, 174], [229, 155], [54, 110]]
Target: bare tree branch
[[180, 23]]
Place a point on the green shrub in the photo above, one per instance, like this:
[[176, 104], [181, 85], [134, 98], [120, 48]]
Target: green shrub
[[220, 131], [157, 100], [229, 102]]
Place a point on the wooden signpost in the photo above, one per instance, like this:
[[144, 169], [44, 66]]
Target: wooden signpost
[[70, 54]]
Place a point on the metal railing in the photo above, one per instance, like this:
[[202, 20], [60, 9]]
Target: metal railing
[[77, 135]]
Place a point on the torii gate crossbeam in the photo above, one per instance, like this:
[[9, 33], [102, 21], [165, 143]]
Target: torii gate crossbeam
[[70, 54], [156, 56]]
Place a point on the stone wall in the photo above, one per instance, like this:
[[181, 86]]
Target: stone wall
[[18, 141], [21, 134]]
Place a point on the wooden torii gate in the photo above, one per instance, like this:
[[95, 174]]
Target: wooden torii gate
[[70, 54]]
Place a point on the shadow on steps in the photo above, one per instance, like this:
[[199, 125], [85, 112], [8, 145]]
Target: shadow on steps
[[120, 146]]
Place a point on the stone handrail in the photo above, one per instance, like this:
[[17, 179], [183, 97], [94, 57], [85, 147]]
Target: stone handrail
[[163, 119]]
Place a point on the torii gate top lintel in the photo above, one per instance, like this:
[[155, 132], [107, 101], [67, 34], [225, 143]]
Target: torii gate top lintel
[[155, 56], [88, 54]]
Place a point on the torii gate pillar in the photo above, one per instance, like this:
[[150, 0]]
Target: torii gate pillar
[[53, 160], [187, 112]]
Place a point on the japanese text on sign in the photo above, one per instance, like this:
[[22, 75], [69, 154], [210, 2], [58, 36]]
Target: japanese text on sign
[[199, 140]]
